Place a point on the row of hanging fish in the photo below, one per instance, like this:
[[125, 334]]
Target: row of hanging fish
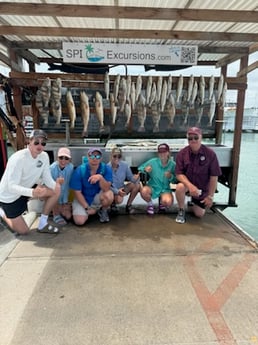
[[49, 96]]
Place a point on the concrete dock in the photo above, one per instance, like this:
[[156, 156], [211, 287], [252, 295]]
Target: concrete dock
[[138, 280]]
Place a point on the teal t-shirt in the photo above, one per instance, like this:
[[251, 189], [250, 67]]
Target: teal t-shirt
[[158, 181]]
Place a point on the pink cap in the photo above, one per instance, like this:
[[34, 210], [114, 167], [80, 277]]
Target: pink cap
[[64, 151], [194, 130]]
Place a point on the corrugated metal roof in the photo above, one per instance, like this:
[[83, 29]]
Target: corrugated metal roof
[[40, 32]]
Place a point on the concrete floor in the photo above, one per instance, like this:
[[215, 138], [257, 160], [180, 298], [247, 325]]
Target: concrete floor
[[138, 280]]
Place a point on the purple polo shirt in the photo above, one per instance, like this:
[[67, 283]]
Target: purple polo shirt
[[199, 167]]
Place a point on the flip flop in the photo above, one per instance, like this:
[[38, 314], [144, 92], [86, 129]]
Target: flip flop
[[49, 229], [58, 219]]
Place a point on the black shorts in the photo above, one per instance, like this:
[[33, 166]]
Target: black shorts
[[198, 203], [15, 208]]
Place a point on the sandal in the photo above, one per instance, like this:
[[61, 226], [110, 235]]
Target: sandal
[[49, 229], [58, 219]]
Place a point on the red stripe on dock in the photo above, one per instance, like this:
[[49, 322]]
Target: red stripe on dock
[[212, 303]]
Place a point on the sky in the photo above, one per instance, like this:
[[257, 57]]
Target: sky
[[251, 99]]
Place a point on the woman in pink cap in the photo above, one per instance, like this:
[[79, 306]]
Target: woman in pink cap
[[61, 171]]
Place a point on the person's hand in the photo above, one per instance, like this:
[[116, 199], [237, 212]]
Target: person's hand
[[121, 192], [94, 178], [194, 191], [168, 174], [208, 202], [148, 168], [60, 180]]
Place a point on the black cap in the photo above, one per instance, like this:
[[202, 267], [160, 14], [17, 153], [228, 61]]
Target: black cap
[[38, 133]]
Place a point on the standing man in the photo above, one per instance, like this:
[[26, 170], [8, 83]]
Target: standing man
[[27, 175], [91, 182], [197, 171], [124, 182], [161, 172]]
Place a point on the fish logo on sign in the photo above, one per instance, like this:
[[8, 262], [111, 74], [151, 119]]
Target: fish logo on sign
[[92, 55]]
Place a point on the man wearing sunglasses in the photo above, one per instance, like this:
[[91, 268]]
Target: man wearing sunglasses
[[197, 171], [124, 182], [91, 184], [27, 175]]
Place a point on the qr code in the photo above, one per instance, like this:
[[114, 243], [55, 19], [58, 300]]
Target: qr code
[[188, 55]]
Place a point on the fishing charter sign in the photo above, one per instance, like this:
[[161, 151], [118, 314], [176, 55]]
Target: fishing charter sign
[[135, 54]]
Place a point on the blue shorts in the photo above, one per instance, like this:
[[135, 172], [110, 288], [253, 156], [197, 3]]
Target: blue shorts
[[16, 208]]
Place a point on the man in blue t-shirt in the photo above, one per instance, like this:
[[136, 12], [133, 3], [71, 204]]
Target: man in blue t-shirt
[[91, 182]]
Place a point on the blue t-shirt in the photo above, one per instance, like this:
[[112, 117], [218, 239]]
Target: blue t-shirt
[[66, 173], [80, 180]]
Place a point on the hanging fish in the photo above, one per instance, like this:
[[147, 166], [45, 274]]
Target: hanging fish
[[179, 88], [163, 95], [159, 88], [99, 111], [133, 96], [190, 88], [220, 87], [39, 104], [46, 91], [211, 87], [169, 85], [148, 89], [171, 109], [153, 94], [113, 109], [141, 113], [194, 93], [187, 111], [223, 96], [106, 85], [55, 101], [122, 94], [128, 87], [212, 110], [202, 89], [138, 87], [128, 114], [199, 116], [71, 108], [116, 87], [85, 112], [155, 117]]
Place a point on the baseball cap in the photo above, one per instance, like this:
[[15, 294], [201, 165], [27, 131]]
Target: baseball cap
[[194, 130], [64, 151], [38, 133], [93, 149], [116, 151], [163, 148]]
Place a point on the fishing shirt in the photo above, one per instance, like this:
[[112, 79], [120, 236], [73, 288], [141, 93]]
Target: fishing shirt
[[22, 172], [198, 167], [80, 181], [66, 173], [158, 182], [121, 174]]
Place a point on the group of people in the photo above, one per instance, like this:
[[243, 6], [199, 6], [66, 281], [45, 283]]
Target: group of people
[[98, 187]]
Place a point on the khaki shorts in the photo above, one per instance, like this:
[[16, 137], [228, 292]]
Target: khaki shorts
[[79, 210]]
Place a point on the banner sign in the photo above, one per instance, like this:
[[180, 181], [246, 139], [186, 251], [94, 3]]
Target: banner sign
[[131, 54]]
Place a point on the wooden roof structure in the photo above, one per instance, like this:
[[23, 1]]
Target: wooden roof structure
[[224, 31]]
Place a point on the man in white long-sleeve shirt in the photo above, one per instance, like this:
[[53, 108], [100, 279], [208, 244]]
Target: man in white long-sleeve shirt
[[27, 175]]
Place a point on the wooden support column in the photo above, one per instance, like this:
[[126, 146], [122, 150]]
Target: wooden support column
[[220, 114], [237, 135]]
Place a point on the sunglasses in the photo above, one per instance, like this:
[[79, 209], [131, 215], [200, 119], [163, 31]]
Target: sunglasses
[[117, 156], [42, 143], [63, 158], [94, 156], [195, 137]]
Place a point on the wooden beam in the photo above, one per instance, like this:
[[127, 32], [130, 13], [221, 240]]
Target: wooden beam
[[128, 12], [248, 69], [229, 59], [112, 33]]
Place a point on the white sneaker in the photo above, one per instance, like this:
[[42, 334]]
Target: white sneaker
[[180, 218]]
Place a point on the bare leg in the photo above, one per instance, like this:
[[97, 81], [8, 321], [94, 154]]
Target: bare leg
[[17, 224]]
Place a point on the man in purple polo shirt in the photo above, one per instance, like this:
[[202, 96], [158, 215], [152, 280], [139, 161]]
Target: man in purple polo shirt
[[197, 170]]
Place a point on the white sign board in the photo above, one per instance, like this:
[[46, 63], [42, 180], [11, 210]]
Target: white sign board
[[133, 54]]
